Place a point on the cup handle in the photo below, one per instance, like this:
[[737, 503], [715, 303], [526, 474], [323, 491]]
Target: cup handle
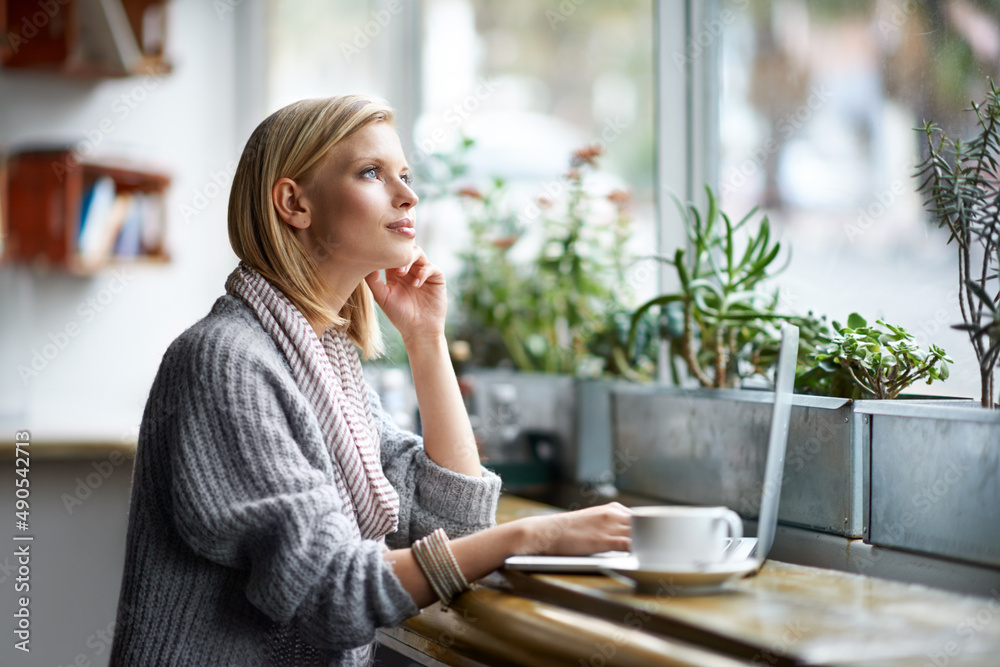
[[735, 526]]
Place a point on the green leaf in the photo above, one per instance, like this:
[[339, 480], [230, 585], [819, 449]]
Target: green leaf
[[682, 272], [980, 292], [729, 243], [637, 316], [855, 321]]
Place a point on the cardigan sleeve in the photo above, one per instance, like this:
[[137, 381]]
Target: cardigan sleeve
[[248, 494], [431, 496]]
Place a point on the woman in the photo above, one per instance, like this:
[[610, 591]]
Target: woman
[[269, 484]]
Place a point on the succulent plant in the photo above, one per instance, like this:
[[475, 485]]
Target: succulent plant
[[882, 359]]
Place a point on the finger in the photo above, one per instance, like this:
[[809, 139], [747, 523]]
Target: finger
[[426, 271], [420, 268], [404, 276], [613, 509]]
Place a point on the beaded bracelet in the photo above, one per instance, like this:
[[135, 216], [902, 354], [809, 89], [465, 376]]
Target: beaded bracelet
[[435, 558]]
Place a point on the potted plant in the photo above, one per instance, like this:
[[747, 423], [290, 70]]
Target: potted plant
[[723, 323], [542, 309], [935, 469], [725, 328], [882, 360], [961, 187], [547, 309], [923, 476]]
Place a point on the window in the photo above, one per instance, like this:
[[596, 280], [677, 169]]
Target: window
[[802, 107], [818, 102], [529, 82]]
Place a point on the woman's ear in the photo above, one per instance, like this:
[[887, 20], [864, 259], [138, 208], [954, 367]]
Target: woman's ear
[[287, 197]]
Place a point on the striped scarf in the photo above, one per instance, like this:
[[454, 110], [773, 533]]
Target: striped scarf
[[330, 376]]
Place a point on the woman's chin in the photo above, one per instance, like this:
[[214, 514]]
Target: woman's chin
[[403, 257]]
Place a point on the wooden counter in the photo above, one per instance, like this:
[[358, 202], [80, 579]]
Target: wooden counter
[[71, 450], [785, 615]]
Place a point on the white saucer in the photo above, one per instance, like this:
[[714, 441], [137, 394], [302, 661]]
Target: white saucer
[[686, 580]]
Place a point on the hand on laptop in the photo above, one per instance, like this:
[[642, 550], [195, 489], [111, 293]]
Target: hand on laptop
[[579, 533]]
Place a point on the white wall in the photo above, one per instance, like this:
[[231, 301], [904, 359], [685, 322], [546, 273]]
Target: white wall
[[78, 517], [97, 384], [95, 387]]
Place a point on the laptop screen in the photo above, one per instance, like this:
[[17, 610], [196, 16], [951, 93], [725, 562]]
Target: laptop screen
[[784, 383]]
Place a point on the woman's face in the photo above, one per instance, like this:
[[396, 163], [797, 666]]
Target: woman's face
[[360, 204]]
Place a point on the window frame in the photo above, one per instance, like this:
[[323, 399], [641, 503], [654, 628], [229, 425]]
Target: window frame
[[686, 52]]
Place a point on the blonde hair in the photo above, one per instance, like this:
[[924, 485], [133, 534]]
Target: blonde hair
[[290, 143]]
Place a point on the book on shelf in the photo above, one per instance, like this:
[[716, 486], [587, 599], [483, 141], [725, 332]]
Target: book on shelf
[[106, 38], [118, 225], [84, 218], [152, 224], [103, 249], [129, 243], [96, 211]]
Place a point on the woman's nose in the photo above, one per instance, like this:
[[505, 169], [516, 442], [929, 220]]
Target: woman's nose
[[407, 197]]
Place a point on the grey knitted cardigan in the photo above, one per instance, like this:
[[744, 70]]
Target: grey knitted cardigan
[[239, 551]]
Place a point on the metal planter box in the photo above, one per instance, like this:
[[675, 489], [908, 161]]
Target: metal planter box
[[910, 475], [591, 459], [572, 414], [935, 479], [506, 403], [708, 447]]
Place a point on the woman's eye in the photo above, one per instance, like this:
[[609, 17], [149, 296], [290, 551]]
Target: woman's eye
[[371, 173], [407, 178]]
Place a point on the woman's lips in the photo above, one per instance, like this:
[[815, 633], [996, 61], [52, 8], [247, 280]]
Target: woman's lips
[[404, 227]]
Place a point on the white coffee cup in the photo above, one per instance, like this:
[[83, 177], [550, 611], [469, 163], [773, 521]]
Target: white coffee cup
[[672, 536]]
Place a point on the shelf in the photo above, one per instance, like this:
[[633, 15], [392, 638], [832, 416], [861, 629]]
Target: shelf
[[84, 38], [79, 217]]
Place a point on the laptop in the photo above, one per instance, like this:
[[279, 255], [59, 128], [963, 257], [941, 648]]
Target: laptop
[[747, 552]]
